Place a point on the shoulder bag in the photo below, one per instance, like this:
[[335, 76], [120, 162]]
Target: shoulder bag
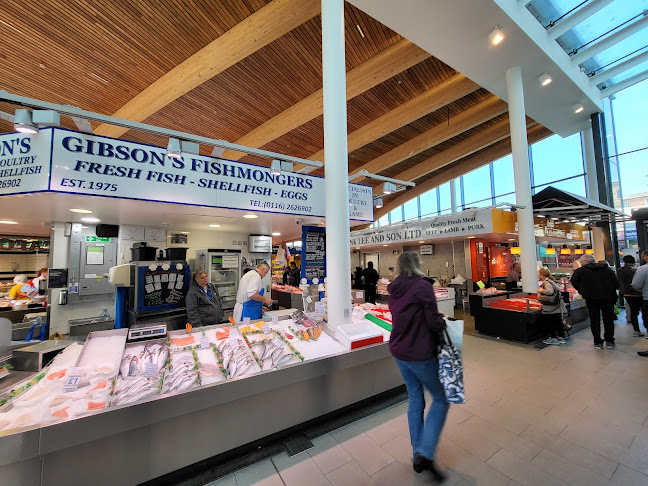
[[451, 370]]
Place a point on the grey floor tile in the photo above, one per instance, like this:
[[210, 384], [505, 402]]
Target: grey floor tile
[[624, 476], [260, 474], [351, 474], [566, 470], [517, 445], [328, 454], [299, 470], [521, 471], [367, 453], [226, 481]]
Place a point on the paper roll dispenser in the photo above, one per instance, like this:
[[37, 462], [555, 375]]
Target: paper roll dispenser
[[120, 275]]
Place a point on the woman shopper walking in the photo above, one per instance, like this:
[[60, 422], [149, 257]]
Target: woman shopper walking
[[414, 343], [552, 307]]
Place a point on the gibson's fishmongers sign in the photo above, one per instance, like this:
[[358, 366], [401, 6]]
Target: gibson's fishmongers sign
[[466, 223], [63, 160]]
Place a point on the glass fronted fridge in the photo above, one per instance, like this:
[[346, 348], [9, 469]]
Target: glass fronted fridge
[[224, 270]]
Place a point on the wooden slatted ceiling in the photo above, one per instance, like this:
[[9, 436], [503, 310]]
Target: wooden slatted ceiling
[[129, 43]]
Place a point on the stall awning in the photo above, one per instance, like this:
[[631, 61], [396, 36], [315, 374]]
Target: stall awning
[[556, 203]]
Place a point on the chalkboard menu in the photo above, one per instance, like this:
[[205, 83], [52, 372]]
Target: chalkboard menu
[[313, 261], [161, 289]]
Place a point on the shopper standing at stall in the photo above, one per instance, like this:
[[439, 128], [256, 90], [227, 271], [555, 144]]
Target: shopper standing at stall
[[552, 307], [204, 304], [357, 279], [371, 277], [250, 299], [597, 283], [414, 343], [632, 296], [514, 276], [640, 282], [294, 276]]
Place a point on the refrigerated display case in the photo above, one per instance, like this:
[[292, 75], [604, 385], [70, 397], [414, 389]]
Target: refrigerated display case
[[223, 269]]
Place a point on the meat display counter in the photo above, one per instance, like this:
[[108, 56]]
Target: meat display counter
[[211, 391]]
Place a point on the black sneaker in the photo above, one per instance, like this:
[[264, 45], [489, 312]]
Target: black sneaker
[[643, 353], [598, 345], [610, 345], [422, 464]]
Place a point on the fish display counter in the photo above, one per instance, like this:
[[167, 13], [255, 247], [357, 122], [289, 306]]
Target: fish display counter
[[106, 391]]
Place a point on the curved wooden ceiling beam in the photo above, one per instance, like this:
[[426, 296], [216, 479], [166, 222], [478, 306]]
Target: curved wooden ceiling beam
[[388, 63], [478, 114], [433, 99], [495, 151], [258, 30]]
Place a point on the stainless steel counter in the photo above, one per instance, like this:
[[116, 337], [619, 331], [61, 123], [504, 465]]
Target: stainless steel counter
[[133, 444]]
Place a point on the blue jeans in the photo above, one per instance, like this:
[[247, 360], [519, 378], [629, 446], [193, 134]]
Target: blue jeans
[[424, 435]]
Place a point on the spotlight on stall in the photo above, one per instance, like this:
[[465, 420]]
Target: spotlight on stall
[[378, 203], [23, 122], [496, 36], [550, 250], [173, 149], [275, 167], [387, 188]]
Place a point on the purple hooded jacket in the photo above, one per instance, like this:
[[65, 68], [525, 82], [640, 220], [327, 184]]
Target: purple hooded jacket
[[415, 318]]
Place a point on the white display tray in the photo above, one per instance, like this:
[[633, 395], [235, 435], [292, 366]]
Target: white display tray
[[358, 334]]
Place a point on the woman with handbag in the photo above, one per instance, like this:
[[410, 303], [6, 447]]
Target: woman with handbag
[[414, 343], [552, 307]]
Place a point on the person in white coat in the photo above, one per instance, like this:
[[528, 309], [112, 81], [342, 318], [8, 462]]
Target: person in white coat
[[250, 299]]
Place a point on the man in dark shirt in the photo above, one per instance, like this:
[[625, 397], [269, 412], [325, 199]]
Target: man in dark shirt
[[293, 278], [371, 277]]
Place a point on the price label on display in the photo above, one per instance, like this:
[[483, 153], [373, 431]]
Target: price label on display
[[480, 284], [266, 328], [278, 342], [319, 309], [246, 321], [72, 382], [275, 320], [204, 342], [309, 299], [234, 333], [150, 370], [234, 344]]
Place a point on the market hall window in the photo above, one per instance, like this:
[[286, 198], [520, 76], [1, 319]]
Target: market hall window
[[503, 178], [477, 186], [429, 203], [411, 209], [556, 159], [444, 198]]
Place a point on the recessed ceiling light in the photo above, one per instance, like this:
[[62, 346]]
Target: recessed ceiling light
[[214, 225], [8, 222], [421, 241], [276, 234], [471, 237], [578, 108], [90, 220], [250, 216], [83, 211], [496, 36], [545, 79], [385, 245]]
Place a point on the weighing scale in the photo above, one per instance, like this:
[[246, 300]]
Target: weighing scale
[[149, 330]]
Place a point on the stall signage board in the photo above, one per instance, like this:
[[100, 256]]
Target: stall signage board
[[62, 160], [24, 162], [313, 257], [466, 223]]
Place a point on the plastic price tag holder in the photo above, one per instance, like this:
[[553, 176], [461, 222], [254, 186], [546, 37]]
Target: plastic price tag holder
[[480, 284], [278, 342], [204, 342], [150, 370], [309, 299], [319, 309], [233, 343], [266, 328], [246, 321], [72, 382]]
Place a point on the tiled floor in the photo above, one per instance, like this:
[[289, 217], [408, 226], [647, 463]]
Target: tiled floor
[[567, 414]]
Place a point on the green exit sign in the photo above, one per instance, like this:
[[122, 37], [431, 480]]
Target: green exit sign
[[98, 238]]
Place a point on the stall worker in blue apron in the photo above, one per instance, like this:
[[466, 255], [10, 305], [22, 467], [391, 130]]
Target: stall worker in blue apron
[[250, 299]]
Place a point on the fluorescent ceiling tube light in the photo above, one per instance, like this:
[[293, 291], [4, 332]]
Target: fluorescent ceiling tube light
[[23, 122], [275, 167], [173, 149], [276, 234], [578, 107], [545, 79], [250, 216], [214, 225], [82, 211], [4, 221], [90, 220], [378, 203], [496, 36]]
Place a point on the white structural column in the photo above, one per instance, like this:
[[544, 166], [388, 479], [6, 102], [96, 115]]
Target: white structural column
[[521, 172], [453, 196], [598, 238], [336, 168]]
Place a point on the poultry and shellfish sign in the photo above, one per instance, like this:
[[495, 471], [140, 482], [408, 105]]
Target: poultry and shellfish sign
[[466, 223], [66, 161]]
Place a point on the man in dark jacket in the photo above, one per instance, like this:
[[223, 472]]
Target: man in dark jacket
[[371, 277], [631, 296], [293, 278], [597, 283], [204, 304]]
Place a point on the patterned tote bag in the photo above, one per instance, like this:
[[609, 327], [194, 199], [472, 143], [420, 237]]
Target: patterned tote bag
[[451, 370]]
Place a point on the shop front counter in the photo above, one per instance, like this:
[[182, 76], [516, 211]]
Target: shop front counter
[[507, 316], [134, 443]]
